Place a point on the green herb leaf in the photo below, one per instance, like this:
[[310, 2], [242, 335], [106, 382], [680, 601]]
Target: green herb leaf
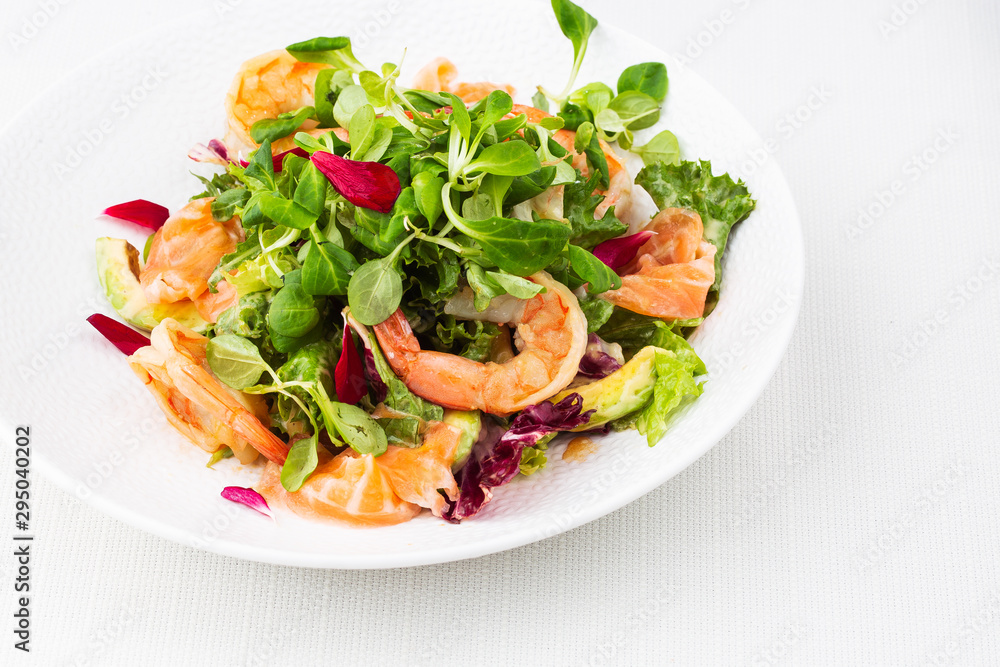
[[375, 292], [235, 360], [589, 269], [496, 188], [573, 116], [259, 173], [327, 270], [484, 288], [539, 101], [329, 83], [576, 24], [300, 464], [310, 192], [498, 105], [362, 131], [510, 158], [225, 205], [648, 78], [460, 117], [351, 99], [357, 428], [515, 286], [518, 247], [293, 312], [661, 148], [334, 51], [636, 110], [272, 129], [427, 193], [587, 142], [286, 212]]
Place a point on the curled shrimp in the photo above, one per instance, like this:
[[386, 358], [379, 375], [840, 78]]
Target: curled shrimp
[[672, 272], [265, 86], [619, 192], [551, 337], [348, 488], [439, 75], [209, 414], [185, 252]]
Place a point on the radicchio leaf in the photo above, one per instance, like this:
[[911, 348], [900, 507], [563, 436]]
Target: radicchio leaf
[[248, 497], [141, 212], [348, 375], [618, 252], [126, 339], [366, 184], [215, 152], [379, 388], [601, 359], [496, 457]]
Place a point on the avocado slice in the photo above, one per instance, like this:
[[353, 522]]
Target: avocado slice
[[623, 392], [118, 270], [469, 423]]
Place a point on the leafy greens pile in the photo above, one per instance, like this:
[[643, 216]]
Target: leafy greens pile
[[418, 204]]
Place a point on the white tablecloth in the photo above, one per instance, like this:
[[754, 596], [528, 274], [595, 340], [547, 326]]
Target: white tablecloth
[[851, 518]]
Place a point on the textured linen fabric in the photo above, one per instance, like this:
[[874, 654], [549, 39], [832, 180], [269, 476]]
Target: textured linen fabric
[[850, 518]]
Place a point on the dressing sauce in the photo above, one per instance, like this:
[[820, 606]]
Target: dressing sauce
[[579, 449]]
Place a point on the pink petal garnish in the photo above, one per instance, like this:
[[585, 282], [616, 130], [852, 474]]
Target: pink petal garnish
[[366, 184], [349, 374], [141, 212], [276, 160], [126, 339], [215, 152], [618, 252], [248, 497]]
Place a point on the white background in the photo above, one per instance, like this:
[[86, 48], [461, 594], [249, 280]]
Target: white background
[[850, 518]]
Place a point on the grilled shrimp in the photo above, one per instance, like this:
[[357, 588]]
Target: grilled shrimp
[[185, 252], [439, 75], [265, 86], [209, 414], [672, 272], [551, 338]]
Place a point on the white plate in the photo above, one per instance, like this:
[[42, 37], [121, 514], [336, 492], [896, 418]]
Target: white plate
[[120, 128]]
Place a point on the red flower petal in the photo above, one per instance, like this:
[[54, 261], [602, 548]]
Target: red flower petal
[[366, 184], [141, 212], [248, 497], [618, 252], [349, 374], [126, 339], [276, 160]]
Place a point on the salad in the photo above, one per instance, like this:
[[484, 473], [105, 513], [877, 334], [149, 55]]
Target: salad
[[393, 298]]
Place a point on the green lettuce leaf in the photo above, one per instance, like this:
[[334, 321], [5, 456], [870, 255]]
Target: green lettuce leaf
[[532, 460], [720, 202], [675, 387]]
